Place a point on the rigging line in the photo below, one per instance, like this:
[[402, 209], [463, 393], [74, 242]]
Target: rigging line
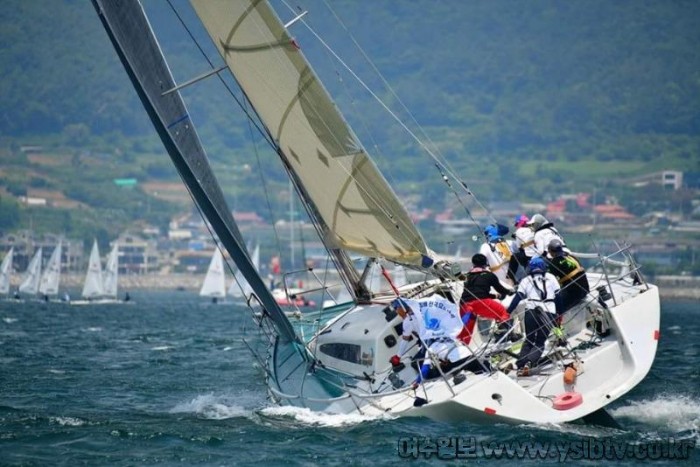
[[383, 105], [369, 195], [459, 200], [263, 181], [439, 158], [263, 130], [264, 133]]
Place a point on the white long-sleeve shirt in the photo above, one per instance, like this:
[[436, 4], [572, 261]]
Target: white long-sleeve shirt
[[437, 322], [525, 239]]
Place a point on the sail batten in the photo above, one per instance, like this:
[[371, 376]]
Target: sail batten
[[344, 185]]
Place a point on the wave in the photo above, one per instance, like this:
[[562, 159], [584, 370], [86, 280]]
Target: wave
[[213, 407], [308, 417], [677, 413], [68, 421]]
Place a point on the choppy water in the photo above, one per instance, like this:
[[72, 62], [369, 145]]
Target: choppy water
[[168, 381]]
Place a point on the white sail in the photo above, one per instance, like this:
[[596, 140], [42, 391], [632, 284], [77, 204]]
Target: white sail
[[51, 278], [349, 193], [215, 281], [111, 273], [92, 288], [30, 284], [239, 287], [6, 272]]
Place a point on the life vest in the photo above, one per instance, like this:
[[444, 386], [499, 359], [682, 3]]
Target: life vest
[[502, 250]]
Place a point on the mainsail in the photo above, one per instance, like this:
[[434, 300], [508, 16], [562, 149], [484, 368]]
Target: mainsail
[[5, 271], [361, 212], [30, 284], [130, 32], [93, 287], [111, 273], [51, 278]]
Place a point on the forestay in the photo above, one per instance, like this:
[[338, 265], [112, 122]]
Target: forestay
[[349, 193]]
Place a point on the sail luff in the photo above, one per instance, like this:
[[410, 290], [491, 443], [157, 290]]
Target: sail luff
[[344, 185]]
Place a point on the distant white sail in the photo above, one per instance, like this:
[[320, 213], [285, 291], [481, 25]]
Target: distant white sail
[[215, 281], [362, 212], [51, 278], [30, 284], [6, 272], [111, 273], [93, 287], [240, 287]]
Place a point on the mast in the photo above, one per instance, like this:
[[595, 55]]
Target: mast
[[130, 32]]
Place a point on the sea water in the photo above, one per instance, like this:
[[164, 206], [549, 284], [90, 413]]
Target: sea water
[[168, 380]]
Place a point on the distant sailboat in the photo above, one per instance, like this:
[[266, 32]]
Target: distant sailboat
[[6, 272], [240, 289], [30, 284], [51, 278], [214, 285], [111, 274], [93, 287]]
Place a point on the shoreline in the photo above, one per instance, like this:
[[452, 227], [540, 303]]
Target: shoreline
[[192, 283]]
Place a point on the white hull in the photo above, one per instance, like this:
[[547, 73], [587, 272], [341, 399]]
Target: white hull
[[608, 371]]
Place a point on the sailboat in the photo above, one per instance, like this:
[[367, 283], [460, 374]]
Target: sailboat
[[239, 288], [214, 285], [100, 287], [6, 272], [93, 286], [30, 283], [339, 362], [51, 278]]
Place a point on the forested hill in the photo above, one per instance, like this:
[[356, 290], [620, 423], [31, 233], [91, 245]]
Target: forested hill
[[541, 81]]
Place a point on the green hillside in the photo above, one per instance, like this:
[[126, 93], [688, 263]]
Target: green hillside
[[524, 99]]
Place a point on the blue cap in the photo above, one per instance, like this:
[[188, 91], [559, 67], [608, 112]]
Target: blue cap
[[400, 303], [491, 232], [537, 264]]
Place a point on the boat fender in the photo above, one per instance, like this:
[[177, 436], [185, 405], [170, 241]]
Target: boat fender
[[570, 375], [567, 400]]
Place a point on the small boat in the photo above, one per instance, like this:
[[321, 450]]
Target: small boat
[[51, 278], [32, 276], [214, 285], [100, 287]]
